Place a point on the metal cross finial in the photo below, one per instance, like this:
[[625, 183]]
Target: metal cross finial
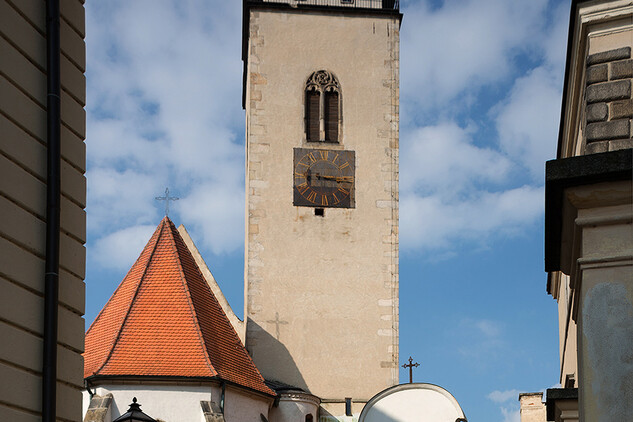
[[277, 321], [411, 365], [166, 198]]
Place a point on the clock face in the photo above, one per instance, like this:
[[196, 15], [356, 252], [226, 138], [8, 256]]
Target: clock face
[[323, 178]]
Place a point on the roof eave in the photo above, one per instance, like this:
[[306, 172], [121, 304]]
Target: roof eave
[[169, 379]]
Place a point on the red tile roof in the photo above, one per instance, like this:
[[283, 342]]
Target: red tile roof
[[163, 320]]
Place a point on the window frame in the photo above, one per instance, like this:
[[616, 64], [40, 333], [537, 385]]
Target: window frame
[[326, 85]]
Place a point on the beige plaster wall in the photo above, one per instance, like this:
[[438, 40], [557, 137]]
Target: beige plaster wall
[[322, 292], [180, 402], [23, 208], [532, 407]]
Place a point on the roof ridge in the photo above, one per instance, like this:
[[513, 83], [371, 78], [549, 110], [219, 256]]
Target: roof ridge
[[136, 290], [234, 337], [94, 322], [190, 301]]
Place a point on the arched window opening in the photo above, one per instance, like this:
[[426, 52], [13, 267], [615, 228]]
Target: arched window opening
[[309, 417], [331, 116], [313, 100], [323, 111]]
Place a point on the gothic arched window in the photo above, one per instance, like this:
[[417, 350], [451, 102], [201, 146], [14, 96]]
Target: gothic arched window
[[323, 110], [309, 417]]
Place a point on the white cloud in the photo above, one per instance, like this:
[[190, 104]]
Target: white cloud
[[503, 396], [511, 414], [463, 45], [431, 222], [509, 406], [527, 121], [164, 109], [452, 190], [121, 198], [118, 250], [217, 212], [443, 159]]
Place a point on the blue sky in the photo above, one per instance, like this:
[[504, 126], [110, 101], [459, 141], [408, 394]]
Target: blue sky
[[481, 84]]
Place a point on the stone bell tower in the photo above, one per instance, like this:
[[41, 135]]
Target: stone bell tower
[[321, 94]]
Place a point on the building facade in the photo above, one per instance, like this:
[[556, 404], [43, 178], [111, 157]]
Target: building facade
[[321, 96], [25, 393], [588, 215]]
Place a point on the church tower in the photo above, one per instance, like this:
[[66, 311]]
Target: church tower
[[321, 94]]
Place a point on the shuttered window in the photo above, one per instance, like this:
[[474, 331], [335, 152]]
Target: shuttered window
[[323, 107], [331, 116], [312, 115]]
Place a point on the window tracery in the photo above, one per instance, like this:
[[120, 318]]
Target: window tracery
[[323, 110]]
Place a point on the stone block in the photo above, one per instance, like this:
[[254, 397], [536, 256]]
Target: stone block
[[614, 129], [72, 256], [98, 409], [72, 45], [608, 91], [20, 108], [23, 267], [73, 12], [71, 329], [211, 411], [598, 73], [32, 10], [622, 69], [73, 184], [597, 112], [96, 415], [25, 350], [15, 415], [28, 39], [16, 67], [73, 114], [73, 80], [609, 56], [621, 109], [258, 79], [596, 147], [21, 187], [619, 144], [27, 230]]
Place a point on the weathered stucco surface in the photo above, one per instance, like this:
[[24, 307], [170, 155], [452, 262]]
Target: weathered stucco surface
[[607, 330]]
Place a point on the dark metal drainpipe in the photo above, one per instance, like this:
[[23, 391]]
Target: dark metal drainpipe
[[53, 193]]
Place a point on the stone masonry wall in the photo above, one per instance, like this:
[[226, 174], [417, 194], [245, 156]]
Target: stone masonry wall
[[609, 106], [323, 286]]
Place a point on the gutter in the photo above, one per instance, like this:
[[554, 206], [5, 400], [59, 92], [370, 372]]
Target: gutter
[[53, 197]]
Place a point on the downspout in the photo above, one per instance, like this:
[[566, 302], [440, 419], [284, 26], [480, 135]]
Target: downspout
[[53, 193]]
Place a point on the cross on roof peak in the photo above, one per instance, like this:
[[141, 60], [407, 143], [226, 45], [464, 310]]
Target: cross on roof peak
[[166, 198], [411, 365]]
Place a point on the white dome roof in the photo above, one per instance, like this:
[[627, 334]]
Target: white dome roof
[[412, 403]]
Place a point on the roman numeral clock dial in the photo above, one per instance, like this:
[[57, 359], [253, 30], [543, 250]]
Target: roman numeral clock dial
[[323, 178]]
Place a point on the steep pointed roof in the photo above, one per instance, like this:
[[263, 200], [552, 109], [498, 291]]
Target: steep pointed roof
[[163, 320]]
